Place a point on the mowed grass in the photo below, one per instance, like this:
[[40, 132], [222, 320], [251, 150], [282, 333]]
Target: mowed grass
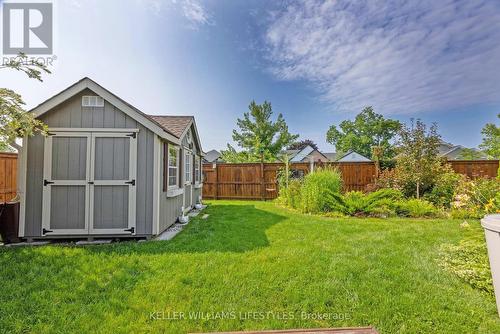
[[249, 266]]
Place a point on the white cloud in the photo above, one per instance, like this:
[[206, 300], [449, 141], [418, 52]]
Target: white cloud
[[399, 56], [196, 14]]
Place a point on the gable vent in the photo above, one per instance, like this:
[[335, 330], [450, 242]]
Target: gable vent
[[92, 101]]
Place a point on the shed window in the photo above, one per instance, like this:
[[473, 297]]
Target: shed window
[[196, 169], [187, 167], [92, 101], [170, 166], [173, 166]]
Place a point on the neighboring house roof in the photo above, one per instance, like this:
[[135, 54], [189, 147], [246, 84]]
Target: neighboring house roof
[[453, 152], [176, 125], [456, 152], [331, 156], [303, 154], [212, 156], [353, 157]]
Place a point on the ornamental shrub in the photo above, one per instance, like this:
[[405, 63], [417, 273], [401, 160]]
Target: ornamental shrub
[[318, 187], [416, 208]]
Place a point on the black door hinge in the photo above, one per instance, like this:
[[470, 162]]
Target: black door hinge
[[90, 182], [133, 135], [50, 134], [45, 231], [131, 182], [45, 182], [131, 230]]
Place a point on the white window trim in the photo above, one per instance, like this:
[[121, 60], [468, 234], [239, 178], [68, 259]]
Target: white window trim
[[197, 171], [87, 99], [175, 192], [189, 154], [176, 185]]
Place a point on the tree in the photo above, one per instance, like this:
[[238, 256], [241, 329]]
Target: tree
[[15, 122], [299, 145], [368, 129], [418, 163], [259, 136], [491, 140]]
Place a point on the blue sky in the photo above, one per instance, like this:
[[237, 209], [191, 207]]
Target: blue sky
[[317, 62]]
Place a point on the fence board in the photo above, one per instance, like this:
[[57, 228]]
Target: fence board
[[8, 176], [253, 181]]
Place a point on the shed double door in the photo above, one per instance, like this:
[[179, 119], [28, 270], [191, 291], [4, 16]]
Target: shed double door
[[89, 183]]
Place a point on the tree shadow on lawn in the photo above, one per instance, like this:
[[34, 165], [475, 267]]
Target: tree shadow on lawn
[[229, 228]]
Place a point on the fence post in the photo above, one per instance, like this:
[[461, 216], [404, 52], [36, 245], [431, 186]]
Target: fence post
[[216, 181], [262, 185]]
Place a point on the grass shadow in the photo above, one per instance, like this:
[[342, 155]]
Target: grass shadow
[[229, 228]]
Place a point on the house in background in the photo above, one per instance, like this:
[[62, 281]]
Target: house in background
[[212, 156], [106, 169], [454, 152], [308, 154]]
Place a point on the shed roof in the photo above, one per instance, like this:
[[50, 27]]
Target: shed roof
[[176, 125]]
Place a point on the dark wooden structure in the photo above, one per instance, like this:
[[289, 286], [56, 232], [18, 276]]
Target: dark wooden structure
[[259, 180], [8, 176]]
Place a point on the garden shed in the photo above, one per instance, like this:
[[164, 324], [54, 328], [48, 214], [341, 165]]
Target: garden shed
[[106, 169]]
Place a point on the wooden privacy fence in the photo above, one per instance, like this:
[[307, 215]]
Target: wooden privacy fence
[[259, 181], [475, 168], [8, 176]]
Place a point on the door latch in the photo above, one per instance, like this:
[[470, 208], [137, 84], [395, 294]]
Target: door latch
[[131, 230], [45, 182], [45, 231], [131, 182]]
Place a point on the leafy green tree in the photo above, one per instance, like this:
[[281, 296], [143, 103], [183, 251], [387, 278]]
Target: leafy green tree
[[299, 145], [368, 130], [259, 136], [491, 140], [418, 163], [15, 122]]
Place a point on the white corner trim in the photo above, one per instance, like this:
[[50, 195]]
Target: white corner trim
[[156, 183], [21, 184], [175, 192]]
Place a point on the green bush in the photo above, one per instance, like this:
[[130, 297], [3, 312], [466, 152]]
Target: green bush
[[290, 196], [415, 208], [379, 203], [443, 191], [317, 188]]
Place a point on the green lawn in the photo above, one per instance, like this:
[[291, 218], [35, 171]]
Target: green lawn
[[248, 259]]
